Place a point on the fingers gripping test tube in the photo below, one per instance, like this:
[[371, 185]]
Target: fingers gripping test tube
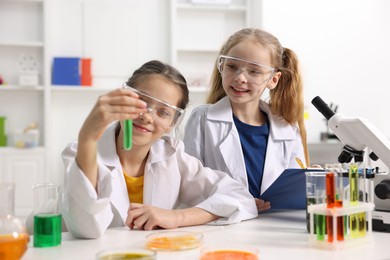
[[127, 134]]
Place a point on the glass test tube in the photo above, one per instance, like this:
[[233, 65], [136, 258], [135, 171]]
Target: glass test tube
[[315, 194], [339, 204], [362, 226], [330, 203], [127, 134], [354, 198]]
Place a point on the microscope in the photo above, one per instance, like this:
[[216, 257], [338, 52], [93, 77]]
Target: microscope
[[356, 134]]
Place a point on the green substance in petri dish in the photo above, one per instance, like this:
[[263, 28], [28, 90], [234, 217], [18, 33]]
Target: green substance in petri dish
[[127, 134], [124, 256]]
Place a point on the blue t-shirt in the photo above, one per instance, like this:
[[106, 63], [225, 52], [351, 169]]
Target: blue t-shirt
[[254, 145]]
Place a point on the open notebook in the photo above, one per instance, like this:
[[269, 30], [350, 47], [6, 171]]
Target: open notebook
[[289, 190]]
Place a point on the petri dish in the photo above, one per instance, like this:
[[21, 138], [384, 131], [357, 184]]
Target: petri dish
[[229, 252], [124, 253], [174, 240]]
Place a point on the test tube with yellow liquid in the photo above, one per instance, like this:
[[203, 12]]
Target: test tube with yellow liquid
[[362, 227], [353, 198]]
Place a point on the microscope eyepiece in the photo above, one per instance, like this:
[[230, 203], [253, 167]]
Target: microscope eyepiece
[[322, 107]]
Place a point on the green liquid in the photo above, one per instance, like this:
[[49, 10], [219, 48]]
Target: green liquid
[[320, 226], [47, 230], [127, 134]]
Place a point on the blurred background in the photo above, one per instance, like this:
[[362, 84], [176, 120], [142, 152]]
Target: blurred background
[[343, 47]]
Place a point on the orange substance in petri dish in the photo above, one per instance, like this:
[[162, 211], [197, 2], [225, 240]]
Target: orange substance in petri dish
[[13, 248], [173, 243], [228, 255]]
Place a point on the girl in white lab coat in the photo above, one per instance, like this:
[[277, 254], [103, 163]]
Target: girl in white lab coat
[[155, 184], [237, 132]]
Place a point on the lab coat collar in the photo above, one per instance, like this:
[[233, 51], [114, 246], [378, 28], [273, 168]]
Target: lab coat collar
[[221, 111], [162, 149], [279, 128], [279, 131]]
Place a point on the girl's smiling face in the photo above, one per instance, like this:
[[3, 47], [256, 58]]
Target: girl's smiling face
[[145, 129], [237, 87]]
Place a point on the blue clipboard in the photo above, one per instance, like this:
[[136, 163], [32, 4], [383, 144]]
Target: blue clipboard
[[289, 190]]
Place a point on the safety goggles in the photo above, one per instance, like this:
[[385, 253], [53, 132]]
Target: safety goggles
[[231, 67], [162, 113]]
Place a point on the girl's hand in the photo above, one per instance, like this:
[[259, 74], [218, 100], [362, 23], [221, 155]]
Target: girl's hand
[[145, 217], [116, 105], [119, 104], [262, 205]]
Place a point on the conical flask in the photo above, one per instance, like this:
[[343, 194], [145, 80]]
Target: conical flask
[[13, 235]]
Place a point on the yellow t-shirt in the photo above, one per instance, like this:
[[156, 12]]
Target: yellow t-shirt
[[135, 188]]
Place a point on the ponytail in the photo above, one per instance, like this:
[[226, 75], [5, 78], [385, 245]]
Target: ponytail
[[286, 99]]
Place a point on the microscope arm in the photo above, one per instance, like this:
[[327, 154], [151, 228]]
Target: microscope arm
[[357, 133]]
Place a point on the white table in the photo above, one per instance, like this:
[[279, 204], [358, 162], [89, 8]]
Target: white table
[[279, 235]]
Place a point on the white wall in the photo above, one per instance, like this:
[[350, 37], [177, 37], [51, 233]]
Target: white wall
[[343, 47], [344, 51]]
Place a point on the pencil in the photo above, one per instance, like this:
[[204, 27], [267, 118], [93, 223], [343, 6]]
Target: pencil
[[300, 163]]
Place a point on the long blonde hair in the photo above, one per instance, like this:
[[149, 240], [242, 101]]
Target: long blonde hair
[[286, 99]]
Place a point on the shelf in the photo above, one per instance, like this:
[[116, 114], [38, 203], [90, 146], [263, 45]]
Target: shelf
[[22, 1], [14, 150], [21, 43], [197, 50], [194, 57], [79, 89], [63, 88], [198, 89], [20, 88], [211, 7]]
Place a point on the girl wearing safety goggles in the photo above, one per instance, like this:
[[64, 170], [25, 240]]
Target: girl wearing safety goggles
[[155, 184], [238, 132]]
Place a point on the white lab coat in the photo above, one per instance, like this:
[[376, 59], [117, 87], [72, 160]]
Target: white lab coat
[[212, 137], [172, 179]]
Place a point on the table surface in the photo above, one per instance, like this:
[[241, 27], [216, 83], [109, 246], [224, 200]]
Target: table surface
[[278, 235]]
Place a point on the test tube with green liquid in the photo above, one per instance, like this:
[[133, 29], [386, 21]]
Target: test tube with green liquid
[[320, 226], [127, 134]]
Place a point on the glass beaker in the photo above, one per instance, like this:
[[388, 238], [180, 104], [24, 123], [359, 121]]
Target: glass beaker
[[315, 194], [47, 215], [13, 234]]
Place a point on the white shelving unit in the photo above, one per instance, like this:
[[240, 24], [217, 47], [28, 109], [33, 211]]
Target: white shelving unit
[[22, 34], [61, 110], [213, 23], [22, 30], [198, 31]]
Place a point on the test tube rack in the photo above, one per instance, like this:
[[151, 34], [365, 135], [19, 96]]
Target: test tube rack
[[340, 219], [341, 215]]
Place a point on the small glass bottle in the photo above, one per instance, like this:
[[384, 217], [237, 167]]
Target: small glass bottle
[[13, 235]]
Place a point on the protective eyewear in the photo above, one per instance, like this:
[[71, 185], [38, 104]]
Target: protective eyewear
[[231, 67], [162, 113]]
